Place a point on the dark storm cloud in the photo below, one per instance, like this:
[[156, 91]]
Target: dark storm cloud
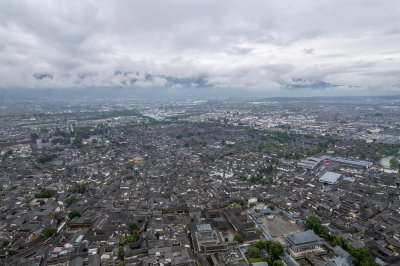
[[257, 45]]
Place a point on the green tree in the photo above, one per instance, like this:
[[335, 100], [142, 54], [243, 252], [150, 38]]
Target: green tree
[[5, 243], [377, 157], [121, 252], [254, 260], [45, 193], [278, 263], [239, 238], [74, 213], [78, 189], [44, 158], [268, 259], [261, 244], [254, 252], [362, 257], [394, 164], [131, 238], [131, 164], [50, 231], [303, 262], [71, 200], [78, 142], [276, 249], [314, 223], [133, 226], [34, 137], [209, 259]]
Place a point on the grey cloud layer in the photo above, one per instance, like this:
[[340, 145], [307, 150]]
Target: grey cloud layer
[[257, 45]]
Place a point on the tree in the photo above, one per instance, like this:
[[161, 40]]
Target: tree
[[278, 263], [314, 223], [45, 193], [268, 259], [78, 142], [131, 164], [209, 259], [133, 226], [131, 238], [71, 200], [74, 213], [34, 137], [50, 231], [239, 238], [78, 189], [5, 243], [270, 180], [303, 262], [254, 252], [394, 164], [121, 252], [44, 158], [377, 157], [362, 257], [276, 249], [261, 244]]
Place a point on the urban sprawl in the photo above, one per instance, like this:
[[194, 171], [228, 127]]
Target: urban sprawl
[[199, 182]]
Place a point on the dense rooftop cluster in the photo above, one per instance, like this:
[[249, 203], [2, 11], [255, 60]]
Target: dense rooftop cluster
[[194, 182]]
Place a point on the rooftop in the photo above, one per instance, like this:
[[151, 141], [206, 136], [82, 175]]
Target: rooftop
[[330, 178]]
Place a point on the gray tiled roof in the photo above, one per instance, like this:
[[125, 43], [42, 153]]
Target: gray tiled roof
[[304, 239], [203, 227]]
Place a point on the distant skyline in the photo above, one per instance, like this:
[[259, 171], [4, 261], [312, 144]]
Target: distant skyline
[[277, 48]]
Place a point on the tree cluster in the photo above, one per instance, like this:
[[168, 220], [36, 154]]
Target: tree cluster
[[74, 213], [45, 193], [362, 256], [44, 158], [78, 189], [50, 231], [71, 200], [274, 248]]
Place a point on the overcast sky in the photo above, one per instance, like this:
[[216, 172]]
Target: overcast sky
[[266, 46]]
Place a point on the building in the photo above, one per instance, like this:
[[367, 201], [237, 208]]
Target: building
[[302, 243], [207, 240], [351, 162], [330, 178], [309, 163]]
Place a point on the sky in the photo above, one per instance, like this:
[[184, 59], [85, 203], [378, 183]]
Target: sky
[[282, 48]]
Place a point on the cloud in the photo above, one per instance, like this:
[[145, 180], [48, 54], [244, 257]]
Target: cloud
[[304, 84], [43, 76], [262, 46], [309, 51]]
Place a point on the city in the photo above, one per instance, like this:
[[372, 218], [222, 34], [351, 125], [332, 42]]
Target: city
[[199, 133], [233, 182]]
